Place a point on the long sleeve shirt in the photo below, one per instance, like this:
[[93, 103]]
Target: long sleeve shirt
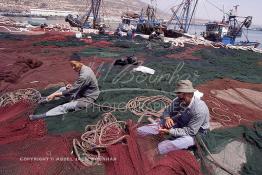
[[85, 86], [188, 119]]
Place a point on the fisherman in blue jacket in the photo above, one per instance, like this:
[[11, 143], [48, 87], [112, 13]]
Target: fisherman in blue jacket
[[183, 119]]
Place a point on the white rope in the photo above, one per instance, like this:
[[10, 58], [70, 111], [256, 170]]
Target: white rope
[[193, 40], [10, 98]]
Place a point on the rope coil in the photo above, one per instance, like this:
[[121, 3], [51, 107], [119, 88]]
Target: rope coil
[[97, 137], [29, 94]]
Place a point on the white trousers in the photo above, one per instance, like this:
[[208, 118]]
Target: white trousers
[[166, 146]]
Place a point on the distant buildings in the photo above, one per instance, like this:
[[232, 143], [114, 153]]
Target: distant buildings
[[46, 13]]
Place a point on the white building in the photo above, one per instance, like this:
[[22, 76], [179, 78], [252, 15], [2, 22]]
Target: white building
[[44, 12]]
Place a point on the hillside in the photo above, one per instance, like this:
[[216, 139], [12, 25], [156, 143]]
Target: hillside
[[110, 7]]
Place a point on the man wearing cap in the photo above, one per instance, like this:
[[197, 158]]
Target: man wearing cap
[[81, 94], [187, 116]]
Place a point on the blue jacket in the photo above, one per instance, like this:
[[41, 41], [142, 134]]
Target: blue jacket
[[188, 119]]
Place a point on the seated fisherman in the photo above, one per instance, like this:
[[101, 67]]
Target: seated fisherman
[[183, 119], [81, 94]]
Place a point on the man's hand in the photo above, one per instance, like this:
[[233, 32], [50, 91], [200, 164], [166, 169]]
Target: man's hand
[[68, 86], [169, 123], [163, 131], [52, 96]]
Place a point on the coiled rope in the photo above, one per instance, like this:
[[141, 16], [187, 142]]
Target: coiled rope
[[106, 132], [29, 94]]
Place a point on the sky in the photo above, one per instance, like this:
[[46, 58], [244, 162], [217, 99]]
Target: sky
[[207, 11]]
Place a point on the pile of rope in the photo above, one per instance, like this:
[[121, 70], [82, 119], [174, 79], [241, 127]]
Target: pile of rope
[[192, 40], [181, 41], [28, 94], [249, 48], [96, 138], [142, 105], [145, 106], [59, 28]]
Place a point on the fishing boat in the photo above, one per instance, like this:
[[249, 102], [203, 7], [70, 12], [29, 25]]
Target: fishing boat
[[129, 21], [178, 24], [229, 29], [181, 19]]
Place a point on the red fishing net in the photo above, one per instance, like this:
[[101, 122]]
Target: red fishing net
[[232, 102], [15, 125], [13, 72], [101, 44], [139, 156], [26, 149]]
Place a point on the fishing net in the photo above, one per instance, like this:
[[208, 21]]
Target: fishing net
[[139, 156], [101, 52], [232, 145], [61, 43], [15, 125], [234, 150], [12, 74], [25, 148], [8, 36]]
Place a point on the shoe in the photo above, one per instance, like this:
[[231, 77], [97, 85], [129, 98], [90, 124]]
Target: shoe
[[43, 100], [132, 60], [121, 62]]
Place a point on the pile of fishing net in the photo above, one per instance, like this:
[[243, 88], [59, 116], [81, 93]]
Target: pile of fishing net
[[72, 43], [233, 150], [13, 73], [117, 145], [27, 148], [139, 156], [15, 125]]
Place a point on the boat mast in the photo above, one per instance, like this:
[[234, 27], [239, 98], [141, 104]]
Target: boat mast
[[183, 14], [81, 21]]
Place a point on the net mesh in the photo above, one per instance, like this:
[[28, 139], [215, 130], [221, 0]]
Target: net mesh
[[140, 156], [25, 147], [236, 148], [15, 125]]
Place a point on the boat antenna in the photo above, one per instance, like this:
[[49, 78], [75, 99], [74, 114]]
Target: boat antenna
[[222, 10]]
